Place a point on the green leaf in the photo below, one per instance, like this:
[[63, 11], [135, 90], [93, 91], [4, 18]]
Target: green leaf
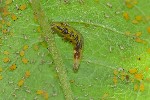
[[116, 54]]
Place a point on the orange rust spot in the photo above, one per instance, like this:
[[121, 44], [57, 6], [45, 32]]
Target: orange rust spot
[[1, 77], [23, 7], [136, 87], [24, 60], [13, 67], [138, 18], [6, 53], [25, 47], [7, 2], [137, 34], [21, 53], [5, 60], [1, 69], [141, 87], [14, 17], [138, 76], [126, 15], [21, 82], [148, 29], [116, 72], [39, 92], [27, 74], [140, 40], [5, 11], [115, 80], [133, 71], [147, 69]]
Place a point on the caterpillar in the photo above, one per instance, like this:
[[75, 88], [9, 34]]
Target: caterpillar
[[74, 37]]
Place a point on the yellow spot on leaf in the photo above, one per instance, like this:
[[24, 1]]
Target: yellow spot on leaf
[[23, 7], [8, 24], [1, 77], [21, 82], [5, 60], [135, 22], [140, 40], [148, 79], [127, 33], [142, 87], [35, 18], [27, 74], [123, 73], [104, 97], [4, 31], [136, 87], [0, 26], [148, 29], [133, 71], [137, 34], [25, 47], [1, 69], [39, 92], [115, 80], [122, 78], [71, 81], [126, 16], [21, 53], [39, 29], [24, 60], [13, 67], [132, 80], [138, 18], [14, 17], [5, 11], [3, 21], [138, 76], [130, 3], [6, 53], [8, 2], [45, 95], [148, 50], [115, 72]]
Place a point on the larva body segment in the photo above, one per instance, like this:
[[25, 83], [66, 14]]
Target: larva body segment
[[74, 37]]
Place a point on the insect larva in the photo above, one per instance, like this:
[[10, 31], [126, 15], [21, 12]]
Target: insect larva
[[75, 38]]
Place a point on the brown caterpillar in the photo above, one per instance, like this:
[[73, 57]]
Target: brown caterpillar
[[74, 37]]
